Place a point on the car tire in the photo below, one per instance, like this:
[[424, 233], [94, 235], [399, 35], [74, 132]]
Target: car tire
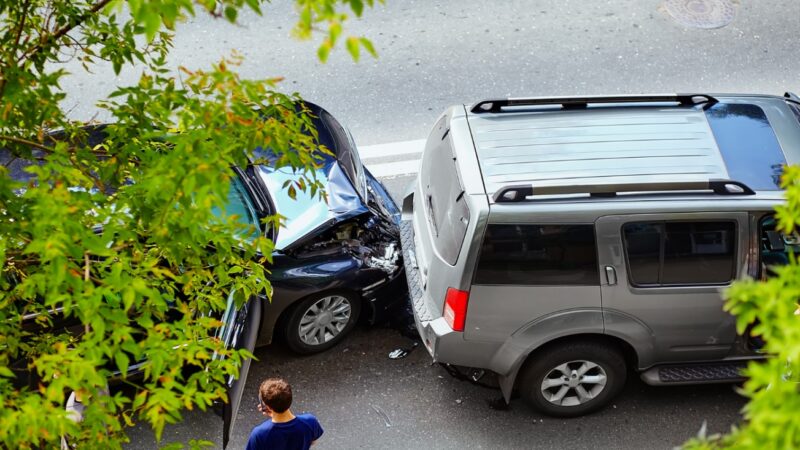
[[321, 321], [573, 379]]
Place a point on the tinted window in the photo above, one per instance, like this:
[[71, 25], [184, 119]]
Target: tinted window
[[680, 253], [748, 144], [241, 207], [643, 244], [538, 255]]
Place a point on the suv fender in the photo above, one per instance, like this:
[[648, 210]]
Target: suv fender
[[513, 354], [515, 350], [633, 332]]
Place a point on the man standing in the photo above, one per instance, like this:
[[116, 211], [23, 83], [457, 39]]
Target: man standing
[[284, 430]]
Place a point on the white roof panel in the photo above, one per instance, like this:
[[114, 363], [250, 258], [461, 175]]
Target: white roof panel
[[610, 145]]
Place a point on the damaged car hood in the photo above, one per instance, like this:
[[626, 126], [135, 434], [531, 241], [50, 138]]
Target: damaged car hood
[[307, 215]]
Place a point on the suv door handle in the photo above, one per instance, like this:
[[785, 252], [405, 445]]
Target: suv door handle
[[611, 275]]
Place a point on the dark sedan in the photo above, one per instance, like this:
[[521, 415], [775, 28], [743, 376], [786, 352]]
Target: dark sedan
[[336, 258]]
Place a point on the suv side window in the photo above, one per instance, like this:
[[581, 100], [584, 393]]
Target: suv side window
[[680, 253], [555, 255]]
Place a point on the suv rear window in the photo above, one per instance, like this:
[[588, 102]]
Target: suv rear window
[[538, 255], [680, 253], [446, 209]]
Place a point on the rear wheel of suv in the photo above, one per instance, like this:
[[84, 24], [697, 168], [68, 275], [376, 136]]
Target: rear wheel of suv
[[322, 320], [573, 379]]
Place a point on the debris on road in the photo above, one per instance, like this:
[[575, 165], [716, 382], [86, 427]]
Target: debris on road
[[400, 353], [382, 415]]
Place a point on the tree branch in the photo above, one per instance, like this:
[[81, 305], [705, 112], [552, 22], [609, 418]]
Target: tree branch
[[88, 174], [20, 26], [12, 52], [46, 148], [65, 29], [26, 142]]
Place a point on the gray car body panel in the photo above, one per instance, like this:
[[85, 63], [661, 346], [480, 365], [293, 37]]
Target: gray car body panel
[[687, 323], [585, 146]]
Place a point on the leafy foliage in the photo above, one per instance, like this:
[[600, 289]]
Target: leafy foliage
[[113, 226], [773, 387]]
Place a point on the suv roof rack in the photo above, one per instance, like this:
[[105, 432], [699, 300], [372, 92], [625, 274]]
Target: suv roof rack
[[497, 105], [518, 193], [792, 97]]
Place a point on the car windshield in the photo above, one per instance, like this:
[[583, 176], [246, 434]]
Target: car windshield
[[240, 206]]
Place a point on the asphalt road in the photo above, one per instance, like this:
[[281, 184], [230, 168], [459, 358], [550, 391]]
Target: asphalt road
[[366, 400], [438, 53]]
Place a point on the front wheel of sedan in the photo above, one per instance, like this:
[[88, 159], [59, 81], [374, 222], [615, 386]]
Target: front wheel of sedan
[[573, 379], [319, 322]]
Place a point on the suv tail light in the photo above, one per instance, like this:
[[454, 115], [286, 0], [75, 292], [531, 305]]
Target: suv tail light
[[455, 308]]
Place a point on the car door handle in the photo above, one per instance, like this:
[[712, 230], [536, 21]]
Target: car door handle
[[611, 275]]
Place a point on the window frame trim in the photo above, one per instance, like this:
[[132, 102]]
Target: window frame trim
[[662, 252], [596, 255]]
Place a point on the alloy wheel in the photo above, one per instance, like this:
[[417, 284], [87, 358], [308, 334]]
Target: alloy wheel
[[324, 320], [574, 383]]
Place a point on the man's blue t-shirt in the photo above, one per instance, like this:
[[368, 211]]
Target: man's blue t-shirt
[[296, 434]]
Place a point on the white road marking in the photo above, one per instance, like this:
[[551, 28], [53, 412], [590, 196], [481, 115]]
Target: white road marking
[[409, 153], [394, 169], [391, 149]]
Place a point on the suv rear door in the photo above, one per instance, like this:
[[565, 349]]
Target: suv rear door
[[665, 272], [527, 272]]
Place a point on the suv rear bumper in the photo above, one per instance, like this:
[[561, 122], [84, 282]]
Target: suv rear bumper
[[443, 344], [433, 332]]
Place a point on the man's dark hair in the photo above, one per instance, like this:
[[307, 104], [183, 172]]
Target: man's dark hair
[[276, 393]]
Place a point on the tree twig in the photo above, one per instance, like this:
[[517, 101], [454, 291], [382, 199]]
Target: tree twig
[[64, 29], [12, 52], [26, 142]]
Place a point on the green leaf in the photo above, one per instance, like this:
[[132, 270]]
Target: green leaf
[[152, 23], [353, 47], [367, 44], [357, 6], [231, 13], [122, 362], [334, 32], [254, 5], [323, 51]]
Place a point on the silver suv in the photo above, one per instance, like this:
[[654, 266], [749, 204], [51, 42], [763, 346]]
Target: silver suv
[[563, 242]]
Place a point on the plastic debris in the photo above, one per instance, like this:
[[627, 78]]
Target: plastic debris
[[400, 353], [382, 415]]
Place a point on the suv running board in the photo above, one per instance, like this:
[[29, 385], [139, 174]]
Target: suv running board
[[723, 372]]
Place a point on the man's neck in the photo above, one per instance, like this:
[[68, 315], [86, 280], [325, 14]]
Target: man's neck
[[282, 417]]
